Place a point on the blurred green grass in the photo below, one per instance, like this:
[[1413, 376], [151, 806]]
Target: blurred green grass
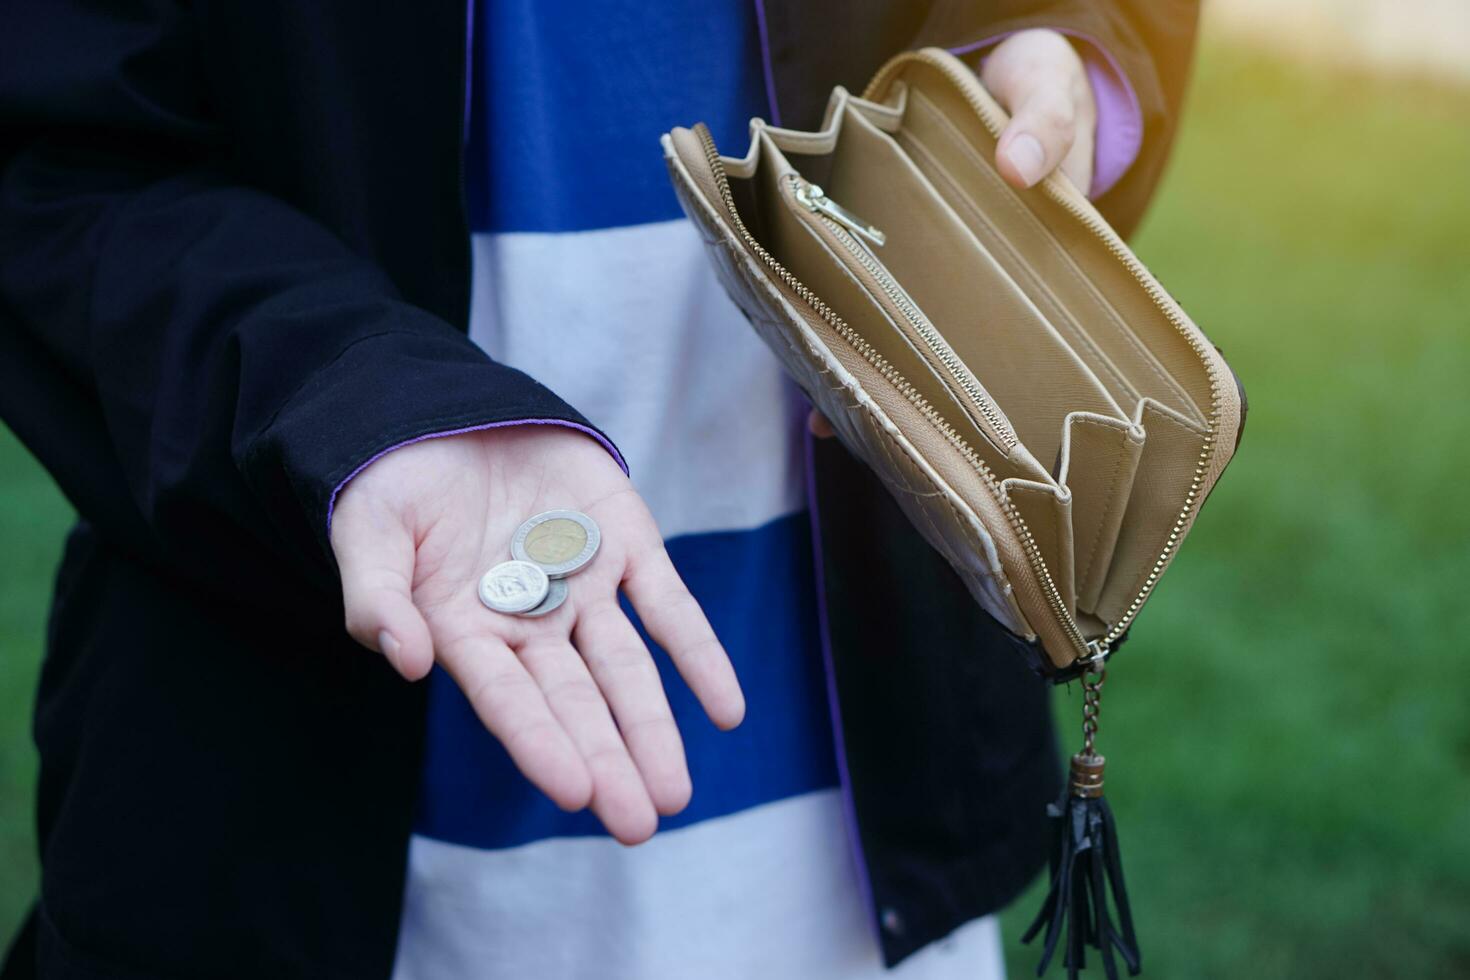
[[33, 520], [1288, 730]]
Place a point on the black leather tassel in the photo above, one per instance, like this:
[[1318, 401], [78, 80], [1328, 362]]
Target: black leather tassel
[[1087, 886]]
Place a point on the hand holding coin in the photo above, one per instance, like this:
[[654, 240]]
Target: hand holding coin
[[547, 548], [417, 533]]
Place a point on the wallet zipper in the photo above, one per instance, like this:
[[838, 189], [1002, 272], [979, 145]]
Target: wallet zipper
[[891, 374], [965, 83], [812, 197], [816, 201]]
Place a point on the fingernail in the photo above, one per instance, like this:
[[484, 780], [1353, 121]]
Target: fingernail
[[1027, 156], [388, 643]]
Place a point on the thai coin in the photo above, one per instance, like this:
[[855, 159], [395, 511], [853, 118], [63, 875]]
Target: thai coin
[[562, 542], [555, 596], [514, 587]]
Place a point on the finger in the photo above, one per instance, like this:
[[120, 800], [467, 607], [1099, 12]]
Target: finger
[[511, 706], [1040, 80], [376, 564], [821, 428], [1041, 133], [677, 624], [629, 680], [619, 796]]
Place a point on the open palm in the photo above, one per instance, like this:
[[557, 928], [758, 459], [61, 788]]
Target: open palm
[[574, 696]]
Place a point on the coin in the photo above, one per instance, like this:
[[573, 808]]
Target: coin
[[514, 586], [555, 596], [562, 542]]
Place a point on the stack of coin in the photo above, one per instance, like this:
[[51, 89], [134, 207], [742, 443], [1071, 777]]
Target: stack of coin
[[545, 550]]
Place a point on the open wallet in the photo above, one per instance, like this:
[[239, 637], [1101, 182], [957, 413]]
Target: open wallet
[[1044, 412]]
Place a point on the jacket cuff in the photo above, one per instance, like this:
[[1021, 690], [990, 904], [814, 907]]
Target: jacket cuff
[[1119, 135], [380, 393], [587, 429]]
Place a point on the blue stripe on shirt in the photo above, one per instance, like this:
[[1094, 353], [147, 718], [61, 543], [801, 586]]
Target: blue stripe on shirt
[[755, 586], [590, 151]]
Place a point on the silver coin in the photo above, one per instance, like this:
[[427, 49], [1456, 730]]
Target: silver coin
[[514, 586], [555, 596], [562, 542]]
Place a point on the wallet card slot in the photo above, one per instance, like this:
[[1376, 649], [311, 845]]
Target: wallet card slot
[[1165, 473], [1048, 516], [1005, 340], [1098, 463]]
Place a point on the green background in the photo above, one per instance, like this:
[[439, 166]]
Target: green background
[[1288, 729]]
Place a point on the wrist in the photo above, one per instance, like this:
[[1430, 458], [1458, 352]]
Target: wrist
[[548, 427]]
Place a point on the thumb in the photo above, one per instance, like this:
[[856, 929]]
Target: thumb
[[1043, 127], [1041, 81], [376, 565]]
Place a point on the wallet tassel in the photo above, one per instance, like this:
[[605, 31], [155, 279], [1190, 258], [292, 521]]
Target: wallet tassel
[[1086, 865]]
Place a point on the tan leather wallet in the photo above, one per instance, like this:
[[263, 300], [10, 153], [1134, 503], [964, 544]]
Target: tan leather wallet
[[1047, 416]]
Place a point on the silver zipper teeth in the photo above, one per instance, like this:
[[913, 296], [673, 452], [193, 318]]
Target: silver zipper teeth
[[931, 337], [894, 377], [1161, 299]]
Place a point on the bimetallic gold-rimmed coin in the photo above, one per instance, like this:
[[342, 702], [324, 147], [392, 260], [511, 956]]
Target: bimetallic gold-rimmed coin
[[514, 587], [555, 596], [562, 542]]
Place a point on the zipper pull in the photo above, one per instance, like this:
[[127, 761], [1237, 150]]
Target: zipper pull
[[815, 200]]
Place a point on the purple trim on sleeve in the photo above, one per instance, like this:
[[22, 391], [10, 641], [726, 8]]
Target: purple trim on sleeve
[[1119, 119], [760, 23], [849, 808], [617, 456], [1119, 116], [469, 70], [974, 46]]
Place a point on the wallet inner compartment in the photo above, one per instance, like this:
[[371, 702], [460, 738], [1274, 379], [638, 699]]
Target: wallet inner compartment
[[1093, 302], [824, 265], [990, 323], [1127, 498], [1075, 423], [1114, 322], [1080, 450], [772, 217]]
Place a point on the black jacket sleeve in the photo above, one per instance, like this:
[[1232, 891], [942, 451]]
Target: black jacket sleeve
[[1152, 41], [198, 363]]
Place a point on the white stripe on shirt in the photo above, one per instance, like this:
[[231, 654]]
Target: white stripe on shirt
[[631, 327], [545, 911]]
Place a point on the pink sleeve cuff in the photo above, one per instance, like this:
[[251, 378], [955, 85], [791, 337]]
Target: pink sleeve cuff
[[1119, 117], [613, 450]]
